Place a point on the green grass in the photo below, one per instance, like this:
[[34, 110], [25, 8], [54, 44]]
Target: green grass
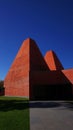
[[14, 113]]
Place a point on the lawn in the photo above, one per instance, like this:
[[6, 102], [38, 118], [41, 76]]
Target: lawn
[[14, 113]]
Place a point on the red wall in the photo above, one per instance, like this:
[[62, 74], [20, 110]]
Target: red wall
[[29, 68], [51, 78], [16, 82], [52, 61]]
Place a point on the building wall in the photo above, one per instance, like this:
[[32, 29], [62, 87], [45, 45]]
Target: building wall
[[30, 69], [16, 82], [58, 79], [53, 61]]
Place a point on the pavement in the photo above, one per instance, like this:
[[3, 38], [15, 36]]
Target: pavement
[[51, 115]]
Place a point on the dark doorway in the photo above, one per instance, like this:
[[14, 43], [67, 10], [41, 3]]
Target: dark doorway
[[52, 92]]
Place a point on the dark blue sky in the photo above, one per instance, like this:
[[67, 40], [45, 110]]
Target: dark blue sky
[[48, 22]]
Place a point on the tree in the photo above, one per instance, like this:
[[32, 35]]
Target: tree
[[1, 83]]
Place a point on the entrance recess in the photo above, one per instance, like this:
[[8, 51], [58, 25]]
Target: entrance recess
[[52, 92]]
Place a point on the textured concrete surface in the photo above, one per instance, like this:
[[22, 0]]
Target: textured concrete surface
[[51, 115]]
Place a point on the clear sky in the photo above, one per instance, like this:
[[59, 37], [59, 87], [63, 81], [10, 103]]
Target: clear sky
[[48, 22]]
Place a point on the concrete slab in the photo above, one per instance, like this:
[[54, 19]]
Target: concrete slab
[[51, 115]]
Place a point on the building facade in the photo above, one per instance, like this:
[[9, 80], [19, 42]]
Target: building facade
[[36, 77]]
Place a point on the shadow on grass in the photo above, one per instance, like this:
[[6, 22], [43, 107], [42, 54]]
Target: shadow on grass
[[8, 105]]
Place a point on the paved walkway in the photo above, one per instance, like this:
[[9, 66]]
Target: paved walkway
[[51, 115]]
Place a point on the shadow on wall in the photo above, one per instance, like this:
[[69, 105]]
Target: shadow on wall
[[61, 90]]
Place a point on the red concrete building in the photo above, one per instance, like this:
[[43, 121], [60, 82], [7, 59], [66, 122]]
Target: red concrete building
[[37, 77]]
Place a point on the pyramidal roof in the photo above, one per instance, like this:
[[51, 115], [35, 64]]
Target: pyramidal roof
[[29, 57], [52, 61]]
